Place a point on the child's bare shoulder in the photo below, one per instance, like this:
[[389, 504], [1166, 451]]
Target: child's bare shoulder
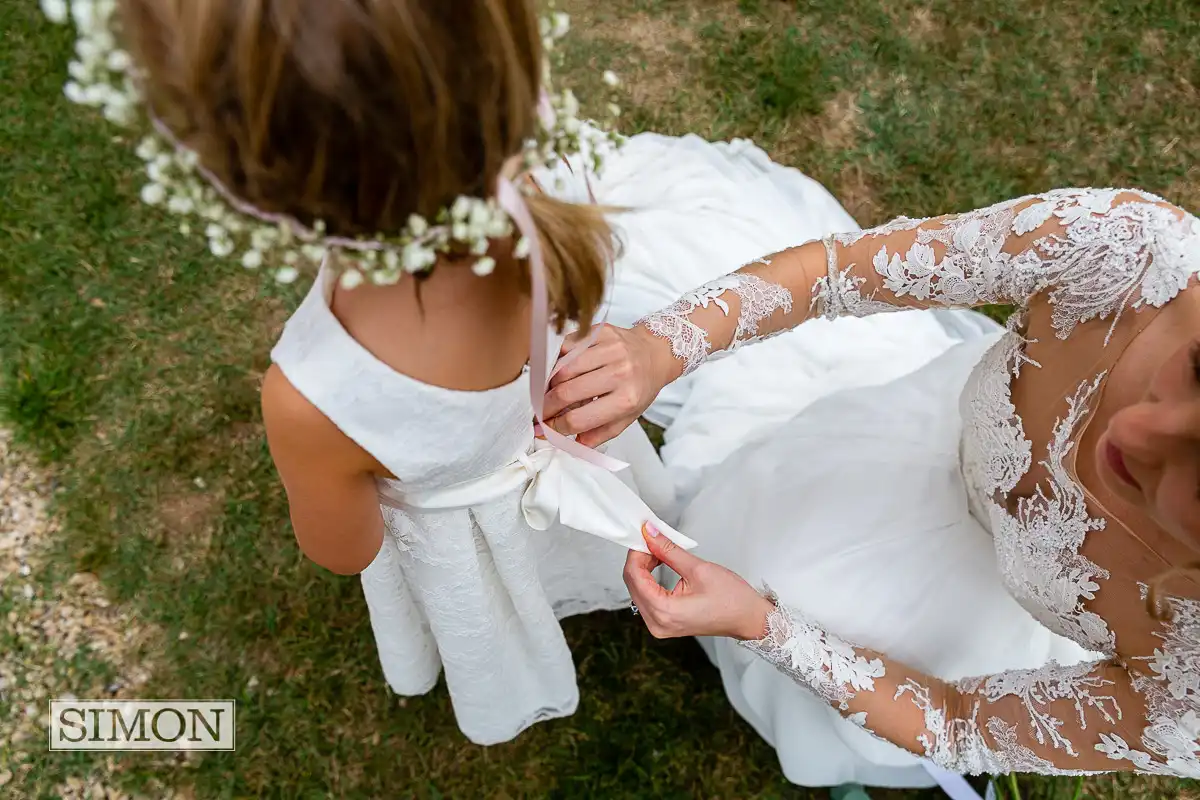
[[298, 430]]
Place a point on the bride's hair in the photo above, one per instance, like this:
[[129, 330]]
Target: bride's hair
[[361, 113], [1160, 606]]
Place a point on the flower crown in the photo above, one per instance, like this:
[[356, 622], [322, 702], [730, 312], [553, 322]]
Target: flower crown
[[104, 76]]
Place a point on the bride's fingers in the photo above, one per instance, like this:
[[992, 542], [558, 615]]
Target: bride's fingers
[[639, 579], [642, 561], [590, 416], [605, 433], [669, 553], [597, 356], [586, 387], [571, 341]]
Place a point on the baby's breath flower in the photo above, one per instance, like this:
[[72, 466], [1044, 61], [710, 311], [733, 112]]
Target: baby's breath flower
[[461, 209], [560, 25], [153, 194], [570, 103], [119, 61], [315, 253], [147, 149], [56, 11], [499, 226], [74, 93], [610, 78], [263, 238], [417, 258], [484, 266], [221, 247], [384, 278], [351, 279], [180, 204], [480, 214]]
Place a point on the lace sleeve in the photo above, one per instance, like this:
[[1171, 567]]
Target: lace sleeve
[[1094, 252], [1081, 719]]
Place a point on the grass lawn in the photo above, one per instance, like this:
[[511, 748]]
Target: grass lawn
[[130, 361]]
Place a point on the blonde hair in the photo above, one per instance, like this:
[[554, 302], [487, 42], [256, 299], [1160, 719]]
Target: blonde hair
[[1157, 604], [361, 113]]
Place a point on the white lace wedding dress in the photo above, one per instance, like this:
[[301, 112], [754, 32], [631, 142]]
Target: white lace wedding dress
[[885, 518], [465, 584]]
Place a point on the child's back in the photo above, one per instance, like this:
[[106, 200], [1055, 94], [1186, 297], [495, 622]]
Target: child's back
[[468, 585]]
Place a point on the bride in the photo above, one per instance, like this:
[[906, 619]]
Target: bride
[[969, 564]]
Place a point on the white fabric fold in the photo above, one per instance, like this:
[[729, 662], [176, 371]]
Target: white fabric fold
[[956, 786], [580, 495]]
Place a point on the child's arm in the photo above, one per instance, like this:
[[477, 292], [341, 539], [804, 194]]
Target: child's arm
[[330, 480]]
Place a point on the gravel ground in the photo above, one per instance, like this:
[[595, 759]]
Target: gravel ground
[[58, 636]]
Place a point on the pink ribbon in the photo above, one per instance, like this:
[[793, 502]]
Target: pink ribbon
[[539, 363]]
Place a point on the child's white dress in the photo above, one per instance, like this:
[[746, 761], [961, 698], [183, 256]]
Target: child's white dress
[[470, 589]]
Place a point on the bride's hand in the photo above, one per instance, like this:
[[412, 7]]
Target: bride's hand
[[709, 600], [608, 386]]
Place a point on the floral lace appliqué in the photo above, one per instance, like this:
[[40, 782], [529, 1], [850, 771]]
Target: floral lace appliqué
[[689, 342], [1038, 688], [1108, 254], [958, 744], [839, 293], [1172, 695], [1107, 257], [814, 658], [996, 455], [758, 300], [1039, 546]]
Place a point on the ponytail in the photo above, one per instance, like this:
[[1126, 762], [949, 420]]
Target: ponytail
[[577, 244]]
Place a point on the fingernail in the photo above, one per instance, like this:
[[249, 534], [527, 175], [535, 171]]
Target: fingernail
[[650, 530]]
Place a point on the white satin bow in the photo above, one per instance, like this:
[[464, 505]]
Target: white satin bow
[[579, 494]]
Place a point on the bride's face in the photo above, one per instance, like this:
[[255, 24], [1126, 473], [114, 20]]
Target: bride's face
[[1150, 453]]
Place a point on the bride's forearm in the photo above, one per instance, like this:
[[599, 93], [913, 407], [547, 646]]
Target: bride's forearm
[[1053, 720], [766, 297]]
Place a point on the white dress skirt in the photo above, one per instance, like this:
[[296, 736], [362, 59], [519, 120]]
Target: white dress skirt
[[824, 462]]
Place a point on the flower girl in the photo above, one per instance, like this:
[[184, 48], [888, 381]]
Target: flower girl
[[382, 143], [378, 141]]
